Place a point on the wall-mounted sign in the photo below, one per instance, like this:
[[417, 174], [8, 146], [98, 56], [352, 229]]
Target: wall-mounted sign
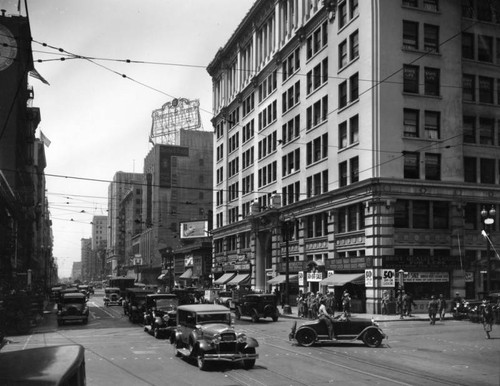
[[388, 278], [368, 277], [427, 277], [193, 229], [314, 276], [301, 278]]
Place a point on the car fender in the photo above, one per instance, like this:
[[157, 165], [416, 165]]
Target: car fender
[[360, 335], [159, 321], [252, 342], [203, 345]]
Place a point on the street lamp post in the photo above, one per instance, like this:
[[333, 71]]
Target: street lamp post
[[401, 289], [488, 220], [286, 235]]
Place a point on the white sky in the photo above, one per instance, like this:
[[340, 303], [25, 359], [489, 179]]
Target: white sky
[[98, 122]]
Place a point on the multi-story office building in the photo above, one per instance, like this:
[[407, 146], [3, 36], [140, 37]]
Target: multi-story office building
[[357, 139], [99, 243], [117, 190], [87, 260]]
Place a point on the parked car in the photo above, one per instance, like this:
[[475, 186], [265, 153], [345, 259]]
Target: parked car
[[160, 317], [257, 306], [205, 332], [134, 304], [224, 298], [344, 330], [112, 296], [52, 365], [72, 306]]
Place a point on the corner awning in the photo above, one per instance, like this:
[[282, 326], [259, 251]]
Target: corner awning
[[339, 279], [224, 278], [238, 279], [162, 276], [282, 279], [187, 274]]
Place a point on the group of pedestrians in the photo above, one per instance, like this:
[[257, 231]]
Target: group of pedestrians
[[309, 304], [405, 304], [436, 307]]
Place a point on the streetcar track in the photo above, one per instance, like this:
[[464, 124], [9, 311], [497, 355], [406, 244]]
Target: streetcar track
[[323, 350]]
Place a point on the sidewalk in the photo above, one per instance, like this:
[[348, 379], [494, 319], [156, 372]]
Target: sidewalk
[[376, 317]]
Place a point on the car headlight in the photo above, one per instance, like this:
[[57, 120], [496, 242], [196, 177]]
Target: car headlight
[[216, 339], [241, 338]]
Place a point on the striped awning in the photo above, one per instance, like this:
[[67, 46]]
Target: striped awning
[[238, 279], [282, 279], [187, 274], [224, 278], [339, 279]]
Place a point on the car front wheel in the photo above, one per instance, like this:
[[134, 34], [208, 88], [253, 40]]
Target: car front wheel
[[305, 337], [202, 363], [372, 338], [249, 363]]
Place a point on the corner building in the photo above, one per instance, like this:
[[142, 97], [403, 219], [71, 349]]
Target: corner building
[[356, 139]]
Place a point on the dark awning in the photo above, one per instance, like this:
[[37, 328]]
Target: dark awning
[[187, 274], [339, 279], [224, 278], [238, 279], [282, 279]]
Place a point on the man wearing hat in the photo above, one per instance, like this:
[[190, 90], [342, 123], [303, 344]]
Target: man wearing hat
[[346, 304], [487, 316]]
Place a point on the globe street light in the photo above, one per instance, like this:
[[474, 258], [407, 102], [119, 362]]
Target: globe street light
[[488, 220]]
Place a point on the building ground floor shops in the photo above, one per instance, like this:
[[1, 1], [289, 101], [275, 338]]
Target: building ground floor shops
[[355, 237]]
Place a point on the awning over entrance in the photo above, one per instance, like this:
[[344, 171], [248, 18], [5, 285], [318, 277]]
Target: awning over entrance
[[238, 279], [340, 279], [225, 278], [282, 279], [187, 274], [162, 276]]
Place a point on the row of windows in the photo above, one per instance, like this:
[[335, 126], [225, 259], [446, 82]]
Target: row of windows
[[480, 170], [267, 145], [482, 10], [233, 143], [349, 135], [290, 162], [432, 166], [267, 86], [234, 117], [233, 191], [220, 175], [351, 218], [481, 130], [317, 113], [411, 124], [290, 65], [248, 104], [291, 193], [484, 50], [233, 167], [347, 11], [248, 131], [349, 171], [317, 184], [290, 130], [268, 115], [483, 92], [317, 77], [421, 214], [267, 174], [353, 90], [290, 97], [219, 152], [248, 157], [317, 149], [428, 5], [411, 80], [344, 59], [317, 40], [411, 38], [247, 184]]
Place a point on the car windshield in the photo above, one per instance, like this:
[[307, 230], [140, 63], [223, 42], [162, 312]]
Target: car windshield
[[166, 304], [214, 318], [225, 294], [73, 301]]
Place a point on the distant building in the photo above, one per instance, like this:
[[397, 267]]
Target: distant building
[[86, 255], [356, 139], [99, 245], [117, 190], [76, 271]]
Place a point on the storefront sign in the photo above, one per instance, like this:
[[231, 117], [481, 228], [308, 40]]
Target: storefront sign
[[368, 277], [314, 276], [427, 277], [469, 277], [388, 278]]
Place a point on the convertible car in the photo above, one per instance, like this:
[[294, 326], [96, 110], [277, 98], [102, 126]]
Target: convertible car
[[344, 330]]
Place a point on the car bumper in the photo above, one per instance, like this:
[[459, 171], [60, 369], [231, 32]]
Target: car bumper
[[230, 357], [73, 317]]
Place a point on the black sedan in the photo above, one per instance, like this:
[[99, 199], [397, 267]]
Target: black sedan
[[344, 330]]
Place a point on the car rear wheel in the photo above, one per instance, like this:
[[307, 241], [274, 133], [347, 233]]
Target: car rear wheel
[[305, 337], [249, 363], [372, 338], [156, 332]]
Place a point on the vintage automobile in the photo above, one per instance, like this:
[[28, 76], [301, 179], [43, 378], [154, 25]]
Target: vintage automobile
[[344, 330], [134, 304], [72, 306], [84, 289], [204, 332], [224, 298], [257, 306], [112, 296], [160, 317], [52, 365]]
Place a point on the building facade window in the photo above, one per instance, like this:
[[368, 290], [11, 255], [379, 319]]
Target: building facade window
[[487, 170], [485, 89], [431, 81], [411, 165], [431, 38], [486, 131], [468, 88], [470, 169], [432, 124], [410, 122], [467, 45], [410, 81], [485, 48], [410, 35], [432, 166], [354, 169]]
